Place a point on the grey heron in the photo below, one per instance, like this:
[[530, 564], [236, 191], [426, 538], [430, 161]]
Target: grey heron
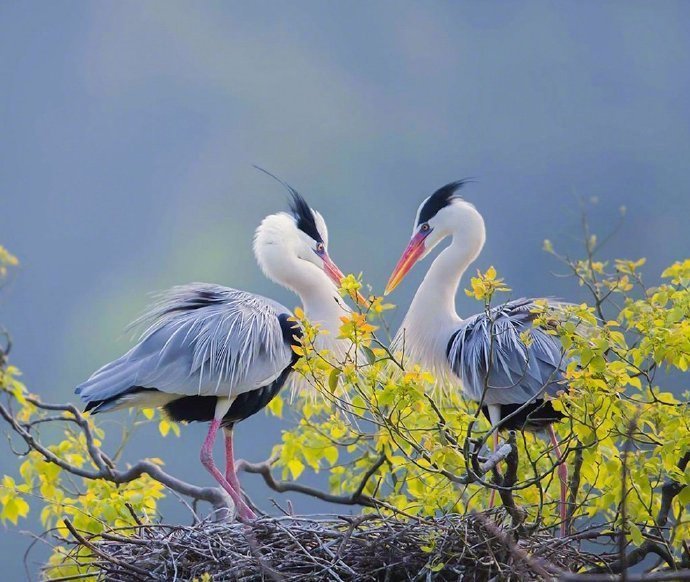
[[215, 354], [510, 377]]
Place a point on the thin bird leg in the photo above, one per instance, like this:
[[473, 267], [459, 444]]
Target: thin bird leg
[[207, 461], [492, 499], [231, 473], [563, 476]]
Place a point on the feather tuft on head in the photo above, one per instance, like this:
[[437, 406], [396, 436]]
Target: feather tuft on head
[[439, 199], [304, 216]]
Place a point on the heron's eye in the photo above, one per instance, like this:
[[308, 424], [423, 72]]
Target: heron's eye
[[425, 227], [320, 247]]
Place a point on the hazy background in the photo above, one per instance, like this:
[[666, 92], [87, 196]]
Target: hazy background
[[128, 133]]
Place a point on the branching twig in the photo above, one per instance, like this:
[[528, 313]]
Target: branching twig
[[516, 513], [104, 468], [98, 552], [574, 486], [264, 469]]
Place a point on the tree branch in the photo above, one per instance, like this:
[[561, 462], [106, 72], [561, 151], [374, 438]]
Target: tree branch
[[105, 467], [264, 469], [516, 513], [669, 490], [574, 486], [213, 495], [93, 549]]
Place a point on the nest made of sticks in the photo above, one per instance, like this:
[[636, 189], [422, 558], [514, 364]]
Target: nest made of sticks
[[369, 547]]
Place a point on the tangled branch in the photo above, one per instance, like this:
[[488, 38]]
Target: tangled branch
[[358, 497], [105, 467]]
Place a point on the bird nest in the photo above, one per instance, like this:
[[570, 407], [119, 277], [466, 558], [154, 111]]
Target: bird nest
[[467, 547]]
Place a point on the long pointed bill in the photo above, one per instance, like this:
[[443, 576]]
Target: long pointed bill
[[411, 255], [336, 275]]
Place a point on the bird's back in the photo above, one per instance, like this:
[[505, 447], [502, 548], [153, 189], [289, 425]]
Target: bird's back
[[200, 340], [489, 354]]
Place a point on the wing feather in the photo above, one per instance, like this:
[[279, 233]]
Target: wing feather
[[199, 339], [510, 371]]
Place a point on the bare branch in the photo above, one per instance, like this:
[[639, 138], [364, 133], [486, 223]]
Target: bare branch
[[574, 486], [213, 495], [97, 552], [264, 469], [105, 470], [516, 513]]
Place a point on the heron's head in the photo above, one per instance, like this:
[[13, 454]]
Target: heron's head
[[442, 214], [292, 247]]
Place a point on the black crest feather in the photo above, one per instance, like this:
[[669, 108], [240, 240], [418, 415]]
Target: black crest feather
[[440, 199], [303, 214]]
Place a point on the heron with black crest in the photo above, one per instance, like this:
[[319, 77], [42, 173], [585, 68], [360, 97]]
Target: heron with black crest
[[513, 379], [216, 354]]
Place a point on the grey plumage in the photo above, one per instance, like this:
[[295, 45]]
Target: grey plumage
[[218, 355], [504, 359], [514, 372], [199, 340]]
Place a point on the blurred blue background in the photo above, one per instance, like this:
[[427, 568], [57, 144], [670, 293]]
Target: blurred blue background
[[129, 131]]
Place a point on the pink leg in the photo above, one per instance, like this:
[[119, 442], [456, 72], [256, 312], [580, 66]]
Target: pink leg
[[207, 461], [563, 476], [231, 473], [492, 499]]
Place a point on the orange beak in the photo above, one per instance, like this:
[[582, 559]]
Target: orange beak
[[411, 255], [336, 275]]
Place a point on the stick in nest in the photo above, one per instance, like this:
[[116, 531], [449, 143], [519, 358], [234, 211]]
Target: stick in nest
[[330, 547]]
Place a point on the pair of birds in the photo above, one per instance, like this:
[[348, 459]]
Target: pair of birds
[[215, 354]]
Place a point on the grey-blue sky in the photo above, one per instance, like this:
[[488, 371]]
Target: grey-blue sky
[[129, 131]]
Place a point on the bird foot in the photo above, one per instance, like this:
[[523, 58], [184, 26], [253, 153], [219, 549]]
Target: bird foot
[[245, 513]]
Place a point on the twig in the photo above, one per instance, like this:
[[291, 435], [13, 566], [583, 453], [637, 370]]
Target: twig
[[84, 542], [213, 495], [516, 513], [574, 486], [516, 552], [264, 469]]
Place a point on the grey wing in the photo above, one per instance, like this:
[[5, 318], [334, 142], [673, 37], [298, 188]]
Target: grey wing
[[200, 339], [511, 371]]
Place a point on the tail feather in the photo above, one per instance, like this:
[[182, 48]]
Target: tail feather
[[109, 383], [133, 396]]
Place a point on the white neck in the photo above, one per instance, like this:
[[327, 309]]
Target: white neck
[[277, 247], [432, 319], [322, 303], [319, 297]]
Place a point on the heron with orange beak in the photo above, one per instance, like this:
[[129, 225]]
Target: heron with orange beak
[[214, 354], [485, 352]]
